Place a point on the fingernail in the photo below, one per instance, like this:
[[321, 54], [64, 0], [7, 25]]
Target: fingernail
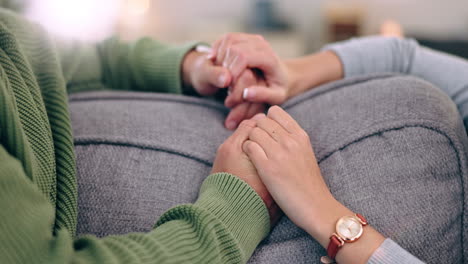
[[231, 125], [229, 92], [259, 116], [210, 56], [245, 93], [225, 64], [222, 80], [203, 48]]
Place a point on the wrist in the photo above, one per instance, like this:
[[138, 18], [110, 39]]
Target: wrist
[[294, 85], [322, 217], [310, 71], [321, 225]]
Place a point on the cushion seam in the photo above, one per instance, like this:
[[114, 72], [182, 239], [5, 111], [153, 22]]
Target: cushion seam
[[87, 142], [111, 98]]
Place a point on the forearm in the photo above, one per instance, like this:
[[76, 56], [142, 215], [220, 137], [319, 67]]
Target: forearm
[[310, 71]]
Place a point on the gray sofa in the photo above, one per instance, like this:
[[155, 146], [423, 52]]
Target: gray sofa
[[390, 147]]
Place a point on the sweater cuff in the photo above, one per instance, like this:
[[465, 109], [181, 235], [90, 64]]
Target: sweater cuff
[[161, 67], [390, 252], [238, 207], [346, 54]]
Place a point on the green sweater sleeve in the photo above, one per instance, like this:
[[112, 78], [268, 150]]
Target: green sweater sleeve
[[144, 65], [224, 225]]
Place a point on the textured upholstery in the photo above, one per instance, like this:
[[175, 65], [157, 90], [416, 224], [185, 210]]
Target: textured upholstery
[[390, 147]]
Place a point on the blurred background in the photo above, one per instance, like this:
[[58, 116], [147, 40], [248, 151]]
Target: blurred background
[[293, 27]]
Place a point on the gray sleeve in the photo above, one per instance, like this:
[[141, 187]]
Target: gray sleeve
[[390, 252], [406, 56]]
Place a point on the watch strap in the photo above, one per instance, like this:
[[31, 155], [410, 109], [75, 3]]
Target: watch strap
[[335, 244], [362, 219]]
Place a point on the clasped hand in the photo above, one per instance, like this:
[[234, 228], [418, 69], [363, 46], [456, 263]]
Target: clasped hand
[[244, 64], [272, 153]]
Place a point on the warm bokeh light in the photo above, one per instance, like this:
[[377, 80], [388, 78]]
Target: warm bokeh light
[[136, 7], [81, 19]]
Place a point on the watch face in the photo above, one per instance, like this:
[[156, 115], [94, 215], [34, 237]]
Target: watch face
[[349, 228]]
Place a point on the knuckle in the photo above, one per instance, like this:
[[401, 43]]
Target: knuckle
[[259, 37], [250, 147], [274, 109], [289, 144], [248, 124], [228, 37], [263, 122], [256, 131]]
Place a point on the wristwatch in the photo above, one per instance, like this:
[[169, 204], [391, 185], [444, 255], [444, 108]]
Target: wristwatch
[[348, 229]]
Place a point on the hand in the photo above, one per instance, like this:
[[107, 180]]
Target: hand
[[281, 151], [231, 159], [237, 52], [244, 110], [202, 75], [207, 78]]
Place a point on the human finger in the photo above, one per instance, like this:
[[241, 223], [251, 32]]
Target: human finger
[[255, 153], [275, 130], [263, 94], [214, 49], [255, 109], [243, 130], [247, 78], [236, 115], [262, 138], [284, 119], [225, 46], [252, 54], [235, 60], [217, 76]]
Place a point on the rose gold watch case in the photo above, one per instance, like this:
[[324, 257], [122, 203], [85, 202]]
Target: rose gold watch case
[[344, 238]]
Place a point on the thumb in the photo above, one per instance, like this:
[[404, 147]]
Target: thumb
[[218, 76], [262, 94], [255, 153]]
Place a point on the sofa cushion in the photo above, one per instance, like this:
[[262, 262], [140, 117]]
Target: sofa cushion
[[390, 147]]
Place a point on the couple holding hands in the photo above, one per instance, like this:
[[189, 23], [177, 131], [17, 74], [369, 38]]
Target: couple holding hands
[[271, 152], [267, 167]]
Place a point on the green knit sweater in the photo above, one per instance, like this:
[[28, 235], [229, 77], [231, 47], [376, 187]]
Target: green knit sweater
[[38, 191]]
